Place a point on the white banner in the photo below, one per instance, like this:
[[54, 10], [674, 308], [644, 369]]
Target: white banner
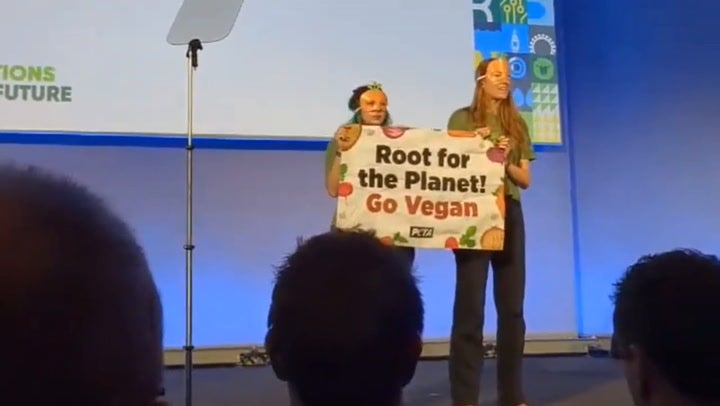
[[423, 188]]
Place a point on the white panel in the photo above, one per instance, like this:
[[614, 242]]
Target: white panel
[[287, 69]]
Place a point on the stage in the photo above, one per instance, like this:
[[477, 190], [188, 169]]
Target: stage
[[551, 381]]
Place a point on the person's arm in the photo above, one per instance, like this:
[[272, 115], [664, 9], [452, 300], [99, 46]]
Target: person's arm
[[520, 173], [332, 168]]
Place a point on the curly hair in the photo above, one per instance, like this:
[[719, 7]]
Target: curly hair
[[668, 305], [354, 100]]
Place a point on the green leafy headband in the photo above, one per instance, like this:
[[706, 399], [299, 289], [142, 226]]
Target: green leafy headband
[[375, 86]]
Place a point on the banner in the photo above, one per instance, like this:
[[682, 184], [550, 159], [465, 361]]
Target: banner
[[523, 31], [422, 188]]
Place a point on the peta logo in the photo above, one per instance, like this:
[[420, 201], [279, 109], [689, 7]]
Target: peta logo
[[421, 232]]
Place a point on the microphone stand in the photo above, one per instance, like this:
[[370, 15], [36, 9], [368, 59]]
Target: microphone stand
[[192, 59]]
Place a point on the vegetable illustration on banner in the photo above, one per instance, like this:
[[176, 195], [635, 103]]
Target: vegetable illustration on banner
[[345, 189], [423, 188]]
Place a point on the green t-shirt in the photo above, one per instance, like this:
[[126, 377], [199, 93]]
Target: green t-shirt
[[330, 153], [461, 120]]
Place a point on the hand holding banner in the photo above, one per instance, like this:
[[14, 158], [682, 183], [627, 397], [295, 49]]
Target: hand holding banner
[[423, 188]]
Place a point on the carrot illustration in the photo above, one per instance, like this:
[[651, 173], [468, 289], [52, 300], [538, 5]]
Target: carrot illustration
[[387, 240], [394, 239], [462, 134], [451, 243]]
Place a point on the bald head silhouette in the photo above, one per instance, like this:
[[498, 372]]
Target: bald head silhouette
[[80, 314]]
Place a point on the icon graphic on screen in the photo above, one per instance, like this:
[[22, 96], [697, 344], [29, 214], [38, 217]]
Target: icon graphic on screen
[[541, 12], [514, 11], [546, 114], [529, 98], [515, 42], [518, 68], [546, 125], [486, 15], [545, 97], [483, 7], [518, 98], [544, 39], [543, 69], [502, 41]]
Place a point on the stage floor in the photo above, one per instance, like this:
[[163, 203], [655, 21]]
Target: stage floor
[[559, 381]]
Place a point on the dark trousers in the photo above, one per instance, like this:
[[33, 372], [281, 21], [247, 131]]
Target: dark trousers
[[466, 340]]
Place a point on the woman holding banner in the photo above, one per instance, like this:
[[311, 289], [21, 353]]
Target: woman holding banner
[[369, 106], [493, 114]]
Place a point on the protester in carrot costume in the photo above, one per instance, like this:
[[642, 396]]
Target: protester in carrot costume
[[369, 106], [493, 114]]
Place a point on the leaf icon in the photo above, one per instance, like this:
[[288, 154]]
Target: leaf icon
[[399, 238], [471, 231], [343, 171], [463, 240]]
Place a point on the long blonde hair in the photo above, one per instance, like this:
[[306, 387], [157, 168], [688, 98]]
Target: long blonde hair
[[511, 121]]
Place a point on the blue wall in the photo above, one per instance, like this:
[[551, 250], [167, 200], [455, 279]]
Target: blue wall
[[642, 86], [250, 206]]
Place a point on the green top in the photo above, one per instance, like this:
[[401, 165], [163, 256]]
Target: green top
[[461, 120], [330, 153]]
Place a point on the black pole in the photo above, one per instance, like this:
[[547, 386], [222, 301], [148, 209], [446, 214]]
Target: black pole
[[193, 47], [192, 55]]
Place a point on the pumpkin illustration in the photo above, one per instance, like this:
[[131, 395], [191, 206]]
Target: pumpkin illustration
[[493, 239]]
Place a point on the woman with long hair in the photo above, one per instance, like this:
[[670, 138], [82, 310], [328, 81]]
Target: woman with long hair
[[492, 114], [369, 106]]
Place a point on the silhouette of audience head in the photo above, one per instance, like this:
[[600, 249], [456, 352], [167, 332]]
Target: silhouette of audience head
[[667, 329], [80, 314], [345, 322]]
